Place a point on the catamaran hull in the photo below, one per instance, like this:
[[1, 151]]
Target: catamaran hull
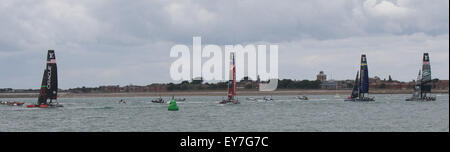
[[302, 98], [361, 99], [229, 102], [45, 106], [157, 101], [421, 99]]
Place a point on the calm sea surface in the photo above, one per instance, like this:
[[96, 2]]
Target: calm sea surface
[[202, 113]]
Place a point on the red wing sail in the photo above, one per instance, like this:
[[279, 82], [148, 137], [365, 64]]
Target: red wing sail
[[232, 81]]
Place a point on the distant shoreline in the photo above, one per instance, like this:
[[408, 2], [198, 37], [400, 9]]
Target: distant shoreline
[[210, 93]]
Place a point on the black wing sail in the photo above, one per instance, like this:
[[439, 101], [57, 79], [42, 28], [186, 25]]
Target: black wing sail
[[426, 74], [52, 74], [364, 88], [355, 86], [42, 99]]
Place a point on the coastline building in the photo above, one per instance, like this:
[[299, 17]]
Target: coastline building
[[133, 88], [6, 90], [321, 76], [441, 84], [155, 87], [197, 80], [110, 88], [331, 85]]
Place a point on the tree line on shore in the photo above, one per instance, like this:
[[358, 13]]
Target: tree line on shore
[[244, 84]]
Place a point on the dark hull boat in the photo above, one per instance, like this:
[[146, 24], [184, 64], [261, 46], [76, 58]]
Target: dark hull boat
[[362, 99], [49, 87], [361, 87], [159, 100], [231, 84], [422, 88], [421, 99]]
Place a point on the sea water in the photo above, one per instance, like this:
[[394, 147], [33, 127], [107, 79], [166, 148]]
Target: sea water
[[322, 113]]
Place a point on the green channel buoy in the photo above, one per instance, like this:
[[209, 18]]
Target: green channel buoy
[[173, 105]]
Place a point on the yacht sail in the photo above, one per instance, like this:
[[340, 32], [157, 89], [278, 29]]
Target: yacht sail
[[42, 99], [361, 87], [426, 75], [231, 83], [52, 83], [355, 86], [364, 79], [417, 88], [49, 85], [422, 88]]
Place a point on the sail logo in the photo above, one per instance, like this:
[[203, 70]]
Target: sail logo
[[212, 68], [49, 76], [426, 73], [51, 55]]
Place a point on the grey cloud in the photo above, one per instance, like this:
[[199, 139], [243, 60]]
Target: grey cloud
[[107, 42]]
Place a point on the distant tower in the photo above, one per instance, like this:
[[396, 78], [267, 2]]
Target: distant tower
[[321, 76]]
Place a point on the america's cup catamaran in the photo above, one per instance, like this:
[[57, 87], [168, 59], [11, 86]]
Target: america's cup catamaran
[[231, 83], [422, 88], [49, 87], [361, 87]]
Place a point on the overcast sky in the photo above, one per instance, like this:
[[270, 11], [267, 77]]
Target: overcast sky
[[106, 42]]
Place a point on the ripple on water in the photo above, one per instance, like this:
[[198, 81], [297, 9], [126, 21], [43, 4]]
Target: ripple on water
[[202, 113]]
